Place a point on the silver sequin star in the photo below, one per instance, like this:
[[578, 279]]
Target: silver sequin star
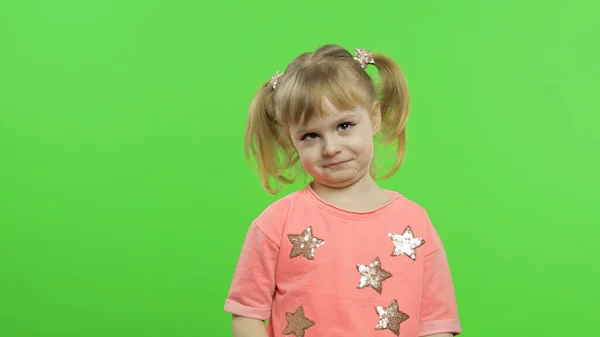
[[406, 243], [372, 275], [390, 318], [305, 244]]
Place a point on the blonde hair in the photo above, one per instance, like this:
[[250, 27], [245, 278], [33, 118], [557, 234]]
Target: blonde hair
[[330, 73]]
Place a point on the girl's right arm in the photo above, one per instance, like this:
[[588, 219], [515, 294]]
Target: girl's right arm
[[250, 297], [248, 327]]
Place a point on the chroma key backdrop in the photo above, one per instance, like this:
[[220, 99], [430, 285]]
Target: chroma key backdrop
[[125, 196]]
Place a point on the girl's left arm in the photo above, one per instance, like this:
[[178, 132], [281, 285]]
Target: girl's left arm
[[439, 312]]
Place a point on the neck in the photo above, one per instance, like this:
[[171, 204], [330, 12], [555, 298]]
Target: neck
[[363, 195], [359, 189]]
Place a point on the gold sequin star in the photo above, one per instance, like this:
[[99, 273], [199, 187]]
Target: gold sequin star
[[305, 244], [406, 243], [297, 323], [372, 275], [390, 318]]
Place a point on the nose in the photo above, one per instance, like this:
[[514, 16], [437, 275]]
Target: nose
[[330, 147]]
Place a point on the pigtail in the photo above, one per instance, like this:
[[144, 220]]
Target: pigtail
[[264, 143], [395, 102]]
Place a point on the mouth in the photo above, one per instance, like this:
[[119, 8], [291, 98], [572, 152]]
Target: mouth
[[336, 164]]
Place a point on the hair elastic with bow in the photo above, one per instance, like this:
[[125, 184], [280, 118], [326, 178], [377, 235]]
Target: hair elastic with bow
[[364, 57]]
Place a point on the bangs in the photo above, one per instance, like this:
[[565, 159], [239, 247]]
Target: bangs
[[305, 94]]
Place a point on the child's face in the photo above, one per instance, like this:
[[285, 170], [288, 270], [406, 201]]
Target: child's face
[[336, 150]]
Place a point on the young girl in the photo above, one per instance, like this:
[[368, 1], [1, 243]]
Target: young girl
[[342, 257]]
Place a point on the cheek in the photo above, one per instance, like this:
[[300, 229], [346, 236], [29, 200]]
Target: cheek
[[306, 161], [305, 156], [363, 144]]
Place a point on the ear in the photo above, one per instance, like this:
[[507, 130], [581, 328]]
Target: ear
[[376, 117]]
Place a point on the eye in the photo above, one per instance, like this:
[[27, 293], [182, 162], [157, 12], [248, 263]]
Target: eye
[[345, 126], [311, 135]]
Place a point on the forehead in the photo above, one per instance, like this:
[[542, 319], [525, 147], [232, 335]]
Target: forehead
[[322, 90], [332, 116]]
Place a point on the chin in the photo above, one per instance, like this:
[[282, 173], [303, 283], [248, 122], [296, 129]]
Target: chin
[[338, 182]]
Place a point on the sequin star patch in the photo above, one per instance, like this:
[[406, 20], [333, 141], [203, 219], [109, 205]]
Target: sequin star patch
[[406, 243], [305, 244], [372, 275], [390, 318], [297, 323]]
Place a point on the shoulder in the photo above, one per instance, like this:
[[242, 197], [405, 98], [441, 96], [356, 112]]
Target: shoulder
[[410, 207], [277, 209], [416, 216], [271, 221]]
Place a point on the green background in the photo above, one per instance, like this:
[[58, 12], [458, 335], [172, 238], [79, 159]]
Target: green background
[[125, 197]]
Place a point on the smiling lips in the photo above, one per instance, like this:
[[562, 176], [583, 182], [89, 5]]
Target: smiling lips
[[336, 164]]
